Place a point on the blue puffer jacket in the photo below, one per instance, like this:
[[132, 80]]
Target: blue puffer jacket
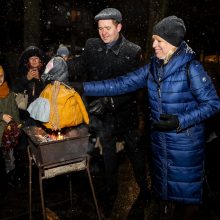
[[178, 156]]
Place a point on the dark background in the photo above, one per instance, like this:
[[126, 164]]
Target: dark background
[[202, 18], [71, 22]]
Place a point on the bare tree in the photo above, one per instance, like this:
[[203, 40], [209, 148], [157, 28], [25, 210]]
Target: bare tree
[[157, 10], [31, 22]]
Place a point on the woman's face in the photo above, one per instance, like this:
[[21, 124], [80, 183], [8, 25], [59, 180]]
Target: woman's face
[[161, 47], [2, 76], [34, 62]]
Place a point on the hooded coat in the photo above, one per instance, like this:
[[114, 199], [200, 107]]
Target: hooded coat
[[178, 155], [32, 87]]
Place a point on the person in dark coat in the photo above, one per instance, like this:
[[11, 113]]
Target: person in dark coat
[[110, 117], [30, 68], [181, 97]]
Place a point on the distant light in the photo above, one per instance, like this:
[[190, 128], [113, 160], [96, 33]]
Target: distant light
[[187, 41]]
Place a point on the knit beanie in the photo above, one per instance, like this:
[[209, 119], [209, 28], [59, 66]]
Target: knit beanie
[[171, 29], [63, 51]]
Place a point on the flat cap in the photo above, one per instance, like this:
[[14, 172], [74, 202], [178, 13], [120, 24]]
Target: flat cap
[[109, 13]]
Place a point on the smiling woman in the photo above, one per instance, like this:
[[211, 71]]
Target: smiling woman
[[162, 48], [166, 41]]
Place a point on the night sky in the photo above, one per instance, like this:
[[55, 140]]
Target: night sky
[[202, 19]]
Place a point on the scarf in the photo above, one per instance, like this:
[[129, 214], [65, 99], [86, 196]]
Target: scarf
[[4, 90]]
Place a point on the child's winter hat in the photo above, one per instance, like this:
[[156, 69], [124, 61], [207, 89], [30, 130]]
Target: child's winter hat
[[63, 51], [171, 29]]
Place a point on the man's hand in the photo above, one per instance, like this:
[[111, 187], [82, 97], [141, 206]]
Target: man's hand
[[167, 122], [98, 106]]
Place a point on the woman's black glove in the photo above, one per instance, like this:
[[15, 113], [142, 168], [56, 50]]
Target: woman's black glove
[[167, 123]]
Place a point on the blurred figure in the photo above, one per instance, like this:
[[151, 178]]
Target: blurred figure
[[50, 51], [75, 68]]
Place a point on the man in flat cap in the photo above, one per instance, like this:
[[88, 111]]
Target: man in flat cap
[[106, 57]]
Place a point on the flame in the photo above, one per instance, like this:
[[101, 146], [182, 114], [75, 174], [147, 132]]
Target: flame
[[57, 136], [60, 136]]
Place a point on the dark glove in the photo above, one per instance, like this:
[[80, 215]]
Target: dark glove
[[78, 86], [167, 122], [98, 106]]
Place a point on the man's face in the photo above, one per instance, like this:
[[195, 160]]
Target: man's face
[[2, 77], [108, 30]]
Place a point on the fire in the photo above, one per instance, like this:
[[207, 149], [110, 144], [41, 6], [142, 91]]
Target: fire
[[60, 136], [56, 136], [42, 135]]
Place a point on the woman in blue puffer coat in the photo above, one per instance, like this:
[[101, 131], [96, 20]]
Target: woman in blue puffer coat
[[181, 97]]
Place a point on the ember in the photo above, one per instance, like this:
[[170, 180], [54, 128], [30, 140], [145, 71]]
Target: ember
[[50, 147], [41, 135]]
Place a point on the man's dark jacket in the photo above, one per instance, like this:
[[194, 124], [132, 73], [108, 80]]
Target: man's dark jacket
[[101, 63]]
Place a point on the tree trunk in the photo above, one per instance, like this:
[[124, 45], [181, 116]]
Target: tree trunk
[[157, 11], [31, 22]]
